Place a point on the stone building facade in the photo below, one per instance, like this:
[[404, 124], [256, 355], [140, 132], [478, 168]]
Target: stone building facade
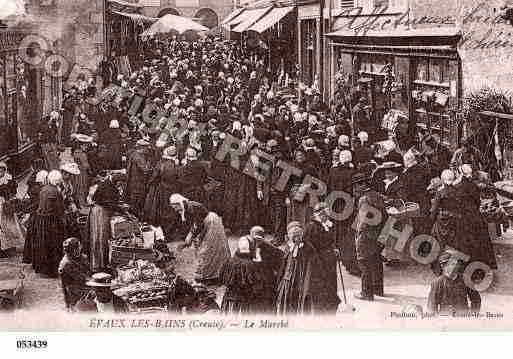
[[209, 12]]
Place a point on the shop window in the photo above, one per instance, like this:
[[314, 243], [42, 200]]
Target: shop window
[[369, 6], [346, 4], [381, 3], [432, 71], [10, 68], [431, 93]]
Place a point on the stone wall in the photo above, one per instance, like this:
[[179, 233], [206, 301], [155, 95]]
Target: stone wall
[[486, 48], [75, 29], [221, 7]]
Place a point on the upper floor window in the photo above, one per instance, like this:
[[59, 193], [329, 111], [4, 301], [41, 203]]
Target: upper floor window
[[346, 4], [370, 6]]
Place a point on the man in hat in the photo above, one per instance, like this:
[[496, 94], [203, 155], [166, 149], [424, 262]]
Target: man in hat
[[102, 284], [139, 170], [448, 293], [368, 248]]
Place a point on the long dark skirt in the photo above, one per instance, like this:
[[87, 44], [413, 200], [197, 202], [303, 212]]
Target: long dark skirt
[[346, 242], [152, 206], [48, 235], [28, 249]]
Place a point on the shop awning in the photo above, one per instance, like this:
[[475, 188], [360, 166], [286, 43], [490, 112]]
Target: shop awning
[[232, 16], [125, 4], [237, 19], [137, 17], [271, 18], [250, 17], [400, 37]]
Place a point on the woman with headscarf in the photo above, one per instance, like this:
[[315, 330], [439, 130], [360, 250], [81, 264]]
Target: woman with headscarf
[[291, 275], [114, 145], [8, 185], [31, 206], [163, 183], [74, 272], [298, 203], [48, 140], [339, 180], [319, 290], [49, 227], [243, 281], [474, 236], [446, 213], [81, 181], [207, 234], [105, 202]]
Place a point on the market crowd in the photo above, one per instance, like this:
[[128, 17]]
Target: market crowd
[[163, 166]]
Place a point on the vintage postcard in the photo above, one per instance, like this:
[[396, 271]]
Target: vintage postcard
[[245, 165]]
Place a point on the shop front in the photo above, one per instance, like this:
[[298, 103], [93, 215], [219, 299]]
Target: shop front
[[21, 90], [411, 79], [124, 26]]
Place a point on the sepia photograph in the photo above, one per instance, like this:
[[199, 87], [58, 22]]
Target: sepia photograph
[[255, 166]]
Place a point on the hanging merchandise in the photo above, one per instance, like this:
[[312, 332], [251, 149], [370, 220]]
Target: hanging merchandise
[[392, 119]]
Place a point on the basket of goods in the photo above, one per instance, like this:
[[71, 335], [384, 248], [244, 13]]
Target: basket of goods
[[139, 270], [128, 248], [403, 210], [143, 295]]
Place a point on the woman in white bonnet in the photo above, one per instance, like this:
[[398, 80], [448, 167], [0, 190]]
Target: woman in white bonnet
[[339, 180], [207, 234], [163, 182]]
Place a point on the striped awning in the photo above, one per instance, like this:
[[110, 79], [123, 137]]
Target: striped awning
[[271, 18], [232, 16], [250, 17], [125, 4]]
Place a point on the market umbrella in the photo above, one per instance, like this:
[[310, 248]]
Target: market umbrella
[[173, 24]]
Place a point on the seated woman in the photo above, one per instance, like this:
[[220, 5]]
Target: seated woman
[[207, 234], [74, 272]]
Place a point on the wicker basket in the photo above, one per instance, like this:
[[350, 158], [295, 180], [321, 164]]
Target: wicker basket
[[405, 210]]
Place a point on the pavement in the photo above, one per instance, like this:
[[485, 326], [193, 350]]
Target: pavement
[[405, 286]]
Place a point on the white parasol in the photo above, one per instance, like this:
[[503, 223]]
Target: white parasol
[[171, 23]]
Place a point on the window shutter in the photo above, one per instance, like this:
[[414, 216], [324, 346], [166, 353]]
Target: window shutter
[[346, 4]]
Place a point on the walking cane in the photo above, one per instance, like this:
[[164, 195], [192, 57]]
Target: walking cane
[[346, 308]]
